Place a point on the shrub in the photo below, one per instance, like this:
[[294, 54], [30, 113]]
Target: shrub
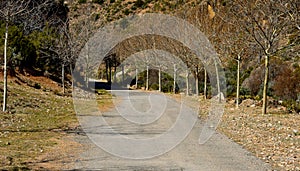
[[98, 1], [81, 1], [291, 105], [133, 7], [244, 91], [154, 86], [287, 83], [37, 86], [126, 11], [139, 3], [97, 16], [101, 92]]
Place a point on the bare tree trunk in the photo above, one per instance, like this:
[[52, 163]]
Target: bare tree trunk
[[11, 11], [72, 82], [115, 73], [147, 79], [5, 68], [205, 84], [238, 82], [197, 82], [107, 71], [264, 108], [87, 44], [159, 79], [87, 67], [136, 78], [122, 74], [63, 77], [174, 82], [218, 83], [109, 67], [187, 81]]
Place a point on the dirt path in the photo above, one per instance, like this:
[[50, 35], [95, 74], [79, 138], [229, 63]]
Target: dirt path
[[219, 153]]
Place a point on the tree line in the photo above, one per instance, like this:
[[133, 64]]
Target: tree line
[[257, 41]]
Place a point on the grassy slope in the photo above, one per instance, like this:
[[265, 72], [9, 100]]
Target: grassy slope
[[34, 130], [38, 120]]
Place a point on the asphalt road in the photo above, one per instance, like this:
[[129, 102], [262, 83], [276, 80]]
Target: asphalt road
[[143, 121]]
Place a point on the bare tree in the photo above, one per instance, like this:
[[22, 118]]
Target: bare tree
[[15, 12], [267, 22], [10, 10], [210, 21], [205, 84], [236, 50], [63, 50]]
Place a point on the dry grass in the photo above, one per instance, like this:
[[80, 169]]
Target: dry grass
[[34, 132], [273, 137], [34, 123]]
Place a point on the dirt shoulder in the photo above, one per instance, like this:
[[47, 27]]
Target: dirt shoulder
[[273, 137]]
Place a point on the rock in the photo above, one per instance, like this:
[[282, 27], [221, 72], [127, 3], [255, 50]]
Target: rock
[[281, 108], [10, 160], [231, 101], [296, 132], [248, 102]]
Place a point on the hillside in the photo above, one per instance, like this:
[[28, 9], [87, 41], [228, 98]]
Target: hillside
[[230, 35], [43, 47]]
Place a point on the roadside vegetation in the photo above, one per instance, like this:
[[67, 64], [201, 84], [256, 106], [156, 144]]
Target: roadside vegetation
[[36, 122], [257, 42], [38, 131]]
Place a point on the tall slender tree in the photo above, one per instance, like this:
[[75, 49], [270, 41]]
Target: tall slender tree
[[267, 22], [26, 12]]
